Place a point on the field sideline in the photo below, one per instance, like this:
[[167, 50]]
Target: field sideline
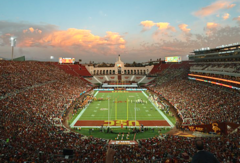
[[120, 110]]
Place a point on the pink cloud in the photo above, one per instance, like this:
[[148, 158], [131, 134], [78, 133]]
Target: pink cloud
[[162, 26], [212, 25], [173, 49], [237, 19], [39, 31], [231, 6], [211, 28], [31, 29], [226, 16], [213, 8], [165, 26], [176, 46], [73, 38], [184, 28], [147, 24]]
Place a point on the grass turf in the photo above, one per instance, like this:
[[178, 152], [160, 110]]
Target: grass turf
[[98, 110], [142, 135]]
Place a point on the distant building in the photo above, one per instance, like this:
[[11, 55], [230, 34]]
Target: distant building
[[119, 68], [229, 52], [152, 62]]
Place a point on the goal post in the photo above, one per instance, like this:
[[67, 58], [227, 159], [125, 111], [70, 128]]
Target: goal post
[[115, 109], [127, 108]]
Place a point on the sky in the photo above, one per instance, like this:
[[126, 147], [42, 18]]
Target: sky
[[99, 30]]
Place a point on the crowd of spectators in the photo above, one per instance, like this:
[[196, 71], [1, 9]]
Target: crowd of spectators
[[172, 147], [16, 76], [167, 75], [200, 102], [33, 94], [176, 149]]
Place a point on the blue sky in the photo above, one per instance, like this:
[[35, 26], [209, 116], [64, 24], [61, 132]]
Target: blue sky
[[99, 16], [43, 27]]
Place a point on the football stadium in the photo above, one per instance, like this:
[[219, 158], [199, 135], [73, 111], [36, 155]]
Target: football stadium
[[95, 100]]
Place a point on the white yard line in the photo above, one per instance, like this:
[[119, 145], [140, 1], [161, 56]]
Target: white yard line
[[79, 115], [96, 94], [129, 109], [164, 116]]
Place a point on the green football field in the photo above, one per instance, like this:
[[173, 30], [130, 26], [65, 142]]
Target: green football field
[[121, 106]]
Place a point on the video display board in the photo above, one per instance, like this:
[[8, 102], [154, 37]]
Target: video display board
[[119, 65], [66, 60], [173, 59]]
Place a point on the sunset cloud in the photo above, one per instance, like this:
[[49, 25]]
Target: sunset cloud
[[231, 6], [212, 25], [25, 31], [237, 19], [76, 38], [176, 46], [39, 31], [147, 24], [225, 16], [32, 38], [165, 26], [211, 28], [162, 26], [213, 8], [32, 30], [184, 28], [72, 38]]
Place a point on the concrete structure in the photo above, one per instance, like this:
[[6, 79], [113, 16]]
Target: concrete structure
[[119, 68]]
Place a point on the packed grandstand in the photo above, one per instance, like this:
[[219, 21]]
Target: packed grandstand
[[35, 98]]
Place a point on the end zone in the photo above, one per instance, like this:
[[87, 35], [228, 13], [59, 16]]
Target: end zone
[[118, 123]]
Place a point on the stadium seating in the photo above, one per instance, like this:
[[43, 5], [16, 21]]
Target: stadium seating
[[158, 68], [146, 79], [215, 67], [33, 94], [200, 102], [136, 78], [76, 70], [101, 78]]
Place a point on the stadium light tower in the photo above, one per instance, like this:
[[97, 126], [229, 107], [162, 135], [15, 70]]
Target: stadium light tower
[[13, 43], [51, 58]]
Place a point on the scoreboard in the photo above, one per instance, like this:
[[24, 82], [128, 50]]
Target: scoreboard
[[66, 60], [173, 59]]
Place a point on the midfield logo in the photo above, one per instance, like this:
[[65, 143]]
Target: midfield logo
[[121, 122]]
